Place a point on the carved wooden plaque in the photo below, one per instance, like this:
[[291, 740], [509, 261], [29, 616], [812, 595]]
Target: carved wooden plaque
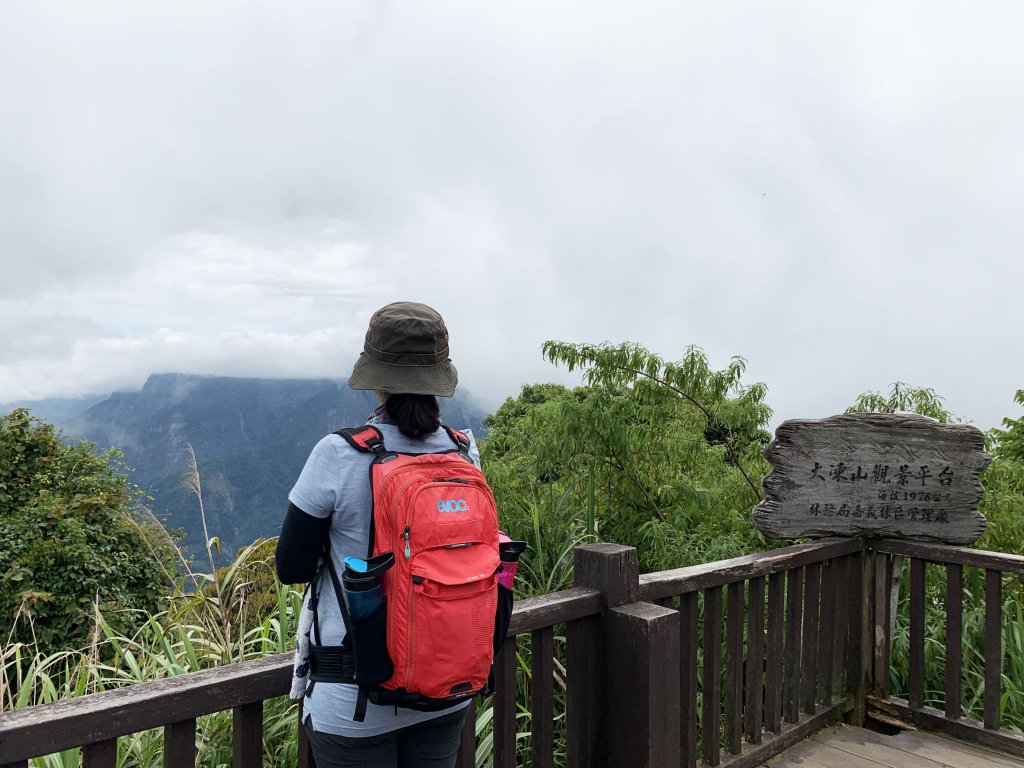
[[874, 474]]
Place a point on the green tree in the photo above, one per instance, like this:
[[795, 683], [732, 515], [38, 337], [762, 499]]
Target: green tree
[[665, 456], [73, 537], [1003, 503], [904, 398]]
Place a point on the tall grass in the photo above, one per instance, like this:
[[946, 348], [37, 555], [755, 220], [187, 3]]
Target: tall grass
[[226, 615], [973, 646]]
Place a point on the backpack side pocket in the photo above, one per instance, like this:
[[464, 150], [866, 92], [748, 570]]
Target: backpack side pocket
[[502, 616], [369, 644]]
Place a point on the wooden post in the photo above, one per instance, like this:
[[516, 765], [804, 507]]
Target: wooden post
[[643, 697], [615, 571]]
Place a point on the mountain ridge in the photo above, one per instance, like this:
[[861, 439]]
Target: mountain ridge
[[251, 437]]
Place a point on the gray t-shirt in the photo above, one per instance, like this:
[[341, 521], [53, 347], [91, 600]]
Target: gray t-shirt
[[335, 483]]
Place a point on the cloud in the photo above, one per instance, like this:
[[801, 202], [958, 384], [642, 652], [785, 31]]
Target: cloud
[[831, 194]]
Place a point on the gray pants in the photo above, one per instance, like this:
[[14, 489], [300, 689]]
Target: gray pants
[[431, 744]]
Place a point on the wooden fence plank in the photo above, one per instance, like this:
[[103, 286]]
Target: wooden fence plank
[[812, 607], [775, 655], [753, 712], [688, 644], [505, 706], [712, 688], [305, 751], [247, 736], [993, 647], [180, 744], [791, 671], [734, 668], [916, 652], [542, 711], [584, 694], [954, 638], [842, 625], [858, 662], [102, 754], [826, 633], [466, 757], [893, 566], [882, 640]]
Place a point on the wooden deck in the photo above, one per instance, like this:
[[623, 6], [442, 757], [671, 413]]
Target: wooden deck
[[846, 747]]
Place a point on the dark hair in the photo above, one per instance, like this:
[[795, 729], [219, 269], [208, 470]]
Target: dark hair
[[416, 416]]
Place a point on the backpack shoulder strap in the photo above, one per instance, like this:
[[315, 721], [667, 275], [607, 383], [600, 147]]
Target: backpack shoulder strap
[[461, 441], [366, 439]]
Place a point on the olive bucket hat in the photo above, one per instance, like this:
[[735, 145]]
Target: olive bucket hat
[[406, 352]]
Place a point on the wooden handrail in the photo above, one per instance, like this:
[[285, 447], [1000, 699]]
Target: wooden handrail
[[107, 715], [693, 578], [945, 553]]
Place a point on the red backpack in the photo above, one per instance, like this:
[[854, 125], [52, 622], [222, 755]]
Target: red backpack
[[435, 513]]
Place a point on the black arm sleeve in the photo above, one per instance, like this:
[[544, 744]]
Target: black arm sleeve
[[300, 545]]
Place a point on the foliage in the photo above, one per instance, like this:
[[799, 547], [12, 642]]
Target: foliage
[[1003, 506], [973, 642], [1010, 440], [1003, 502], [665, 456], [74, 537], [185, 637], [903, 398]]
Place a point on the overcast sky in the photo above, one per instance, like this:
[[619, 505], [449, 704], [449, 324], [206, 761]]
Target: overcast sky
[[830, 190]]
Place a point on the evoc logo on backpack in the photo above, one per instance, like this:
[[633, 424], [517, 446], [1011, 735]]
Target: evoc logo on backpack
[[452, 505]]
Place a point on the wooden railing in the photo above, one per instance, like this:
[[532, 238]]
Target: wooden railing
[[95, 722], [889, 558], [789, 664], [727, 663]]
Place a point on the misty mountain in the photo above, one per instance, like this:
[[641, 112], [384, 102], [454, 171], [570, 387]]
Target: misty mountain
[[251, 438], [56, 410]]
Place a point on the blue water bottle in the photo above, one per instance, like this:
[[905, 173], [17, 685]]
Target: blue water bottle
[[362, 584]]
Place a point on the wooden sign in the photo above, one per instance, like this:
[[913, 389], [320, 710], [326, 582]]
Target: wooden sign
[[874, 474]]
